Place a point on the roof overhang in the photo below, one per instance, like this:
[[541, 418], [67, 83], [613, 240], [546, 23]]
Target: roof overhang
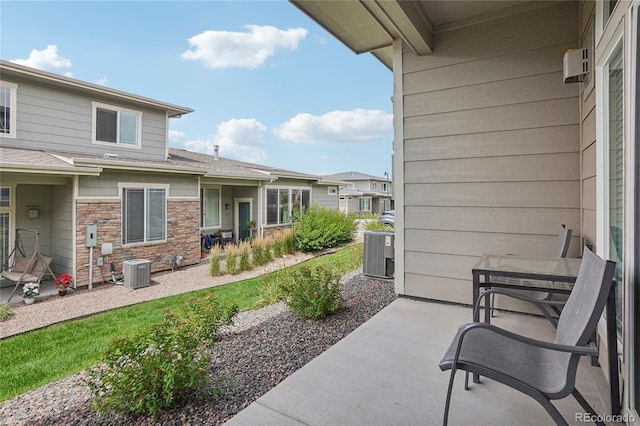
[[373, 25], [36, 169]]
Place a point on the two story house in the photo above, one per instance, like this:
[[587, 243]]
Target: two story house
[[364, 194], [89, 167]]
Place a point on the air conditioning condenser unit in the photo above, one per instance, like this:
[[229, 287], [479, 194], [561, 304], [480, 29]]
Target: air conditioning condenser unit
[[137, 273], [379, 256]]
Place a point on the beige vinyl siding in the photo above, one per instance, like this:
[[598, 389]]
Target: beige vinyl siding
[[51, 119], [61, 229], [320, 195], [588, 129], [106, 185], [491, 147]]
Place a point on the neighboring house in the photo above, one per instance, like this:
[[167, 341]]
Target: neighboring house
[[75, 155], [364, 194], [493, 150]]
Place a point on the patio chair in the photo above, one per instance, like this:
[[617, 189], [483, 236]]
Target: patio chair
[[543, 370], [560, 251]]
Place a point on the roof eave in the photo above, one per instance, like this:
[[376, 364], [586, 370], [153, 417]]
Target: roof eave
[[172, 110]]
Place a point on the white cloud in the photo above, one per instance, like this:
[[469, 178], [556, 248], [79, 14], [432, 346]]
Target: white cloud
[[225, 49], [102, 81], [47, 60], [239, 138], [359, 125]]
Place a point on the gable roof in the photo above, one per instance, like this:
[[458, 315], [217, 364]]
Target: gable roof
[[57, 80]]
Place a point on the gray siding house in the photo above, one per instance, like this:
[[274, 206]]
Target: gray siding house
[[364, 194], [493, 150], [75, 155]]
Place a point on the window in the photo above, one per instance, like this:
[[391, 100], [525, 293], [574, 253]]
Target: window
[[4, 237], [5, 194], [5, 224], [374, 186], [209, 207], [332, 190], [8, 109], [283, 202], [116, 125], [364, 204], [144, 215], [385, 186]]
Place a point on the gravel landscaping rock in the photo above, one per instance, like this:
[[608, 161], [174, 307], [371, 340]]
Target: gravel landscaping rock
[[253, 355]]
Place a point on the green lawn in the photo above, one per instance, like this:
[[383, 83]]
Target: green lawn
[[33, 359]]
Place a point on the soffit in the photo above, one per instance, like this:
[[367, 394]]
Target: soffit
[[372, 25]]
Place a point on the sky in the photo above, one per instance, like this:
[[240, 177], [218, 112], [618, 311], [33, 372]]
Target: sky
[[266, 83]]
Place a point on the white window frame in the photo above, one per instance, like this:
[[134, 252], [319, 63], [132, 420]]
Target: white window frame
[[202, 197], [290, 207], [367, 200], [8, 210], [13, 109], [332, 190], [146, 187], [119, 110]]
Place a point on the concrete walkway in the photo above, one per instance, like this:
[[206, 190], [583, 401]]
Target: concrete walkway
[[386, 373]]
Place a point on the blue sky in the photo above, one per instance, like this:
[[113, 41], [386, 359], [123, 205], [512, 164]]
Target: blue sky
[[266, 82]]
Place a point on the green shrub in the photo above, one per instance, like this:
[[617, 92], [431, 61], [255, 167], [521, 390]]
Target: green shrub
[[314, 292], [5, 311], [231, 253], [272, 288], [162, 366], [376, 225], [319, 228], [214, 260], [245, 256]]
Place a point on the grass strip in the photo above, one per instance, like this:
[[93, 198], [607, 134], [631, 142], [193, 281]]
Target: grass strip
[[39, 357]]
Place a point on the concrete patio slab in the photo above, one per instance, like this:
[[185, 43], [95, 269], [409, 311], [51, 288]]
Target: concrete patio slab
[[386, 373]]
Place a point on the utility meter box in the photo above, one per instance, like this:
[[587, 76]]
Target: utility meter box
[[379, 254], [92, 235]]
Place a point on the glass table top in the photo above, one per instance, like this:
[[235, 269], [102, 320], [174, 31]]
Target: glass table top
[[536, 268]]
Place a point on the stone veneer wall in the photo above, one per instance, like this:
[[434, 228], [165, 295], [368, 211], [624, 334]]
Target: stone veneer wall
[[183, 237], [273, 230]]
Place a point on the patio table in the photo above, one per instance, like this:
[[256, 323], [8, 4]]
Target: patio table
[[551, 275]]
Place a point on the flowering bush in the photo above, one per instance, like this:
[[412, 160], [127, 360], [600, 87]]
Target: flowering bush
[[30, 290], [63, 281]]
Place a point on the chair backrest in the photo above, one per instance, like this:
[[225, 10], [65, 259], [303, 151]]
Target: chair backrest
[[586, 302], [564, 239]]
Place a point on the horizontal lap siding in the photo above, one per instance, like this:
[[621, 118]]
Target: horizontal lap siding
[[491, 148], [47, 117]]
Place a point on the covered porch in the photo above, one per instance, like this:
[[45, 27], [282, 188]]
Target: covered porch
[[386, 373]]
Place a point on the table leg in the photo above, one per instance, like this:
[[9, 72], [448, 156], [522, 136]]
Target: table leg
[[476, 294], [476, 314], [612, 349], [487, 302]]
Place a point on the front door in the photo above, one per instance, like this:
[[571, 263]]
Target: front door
[[243, 215]]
